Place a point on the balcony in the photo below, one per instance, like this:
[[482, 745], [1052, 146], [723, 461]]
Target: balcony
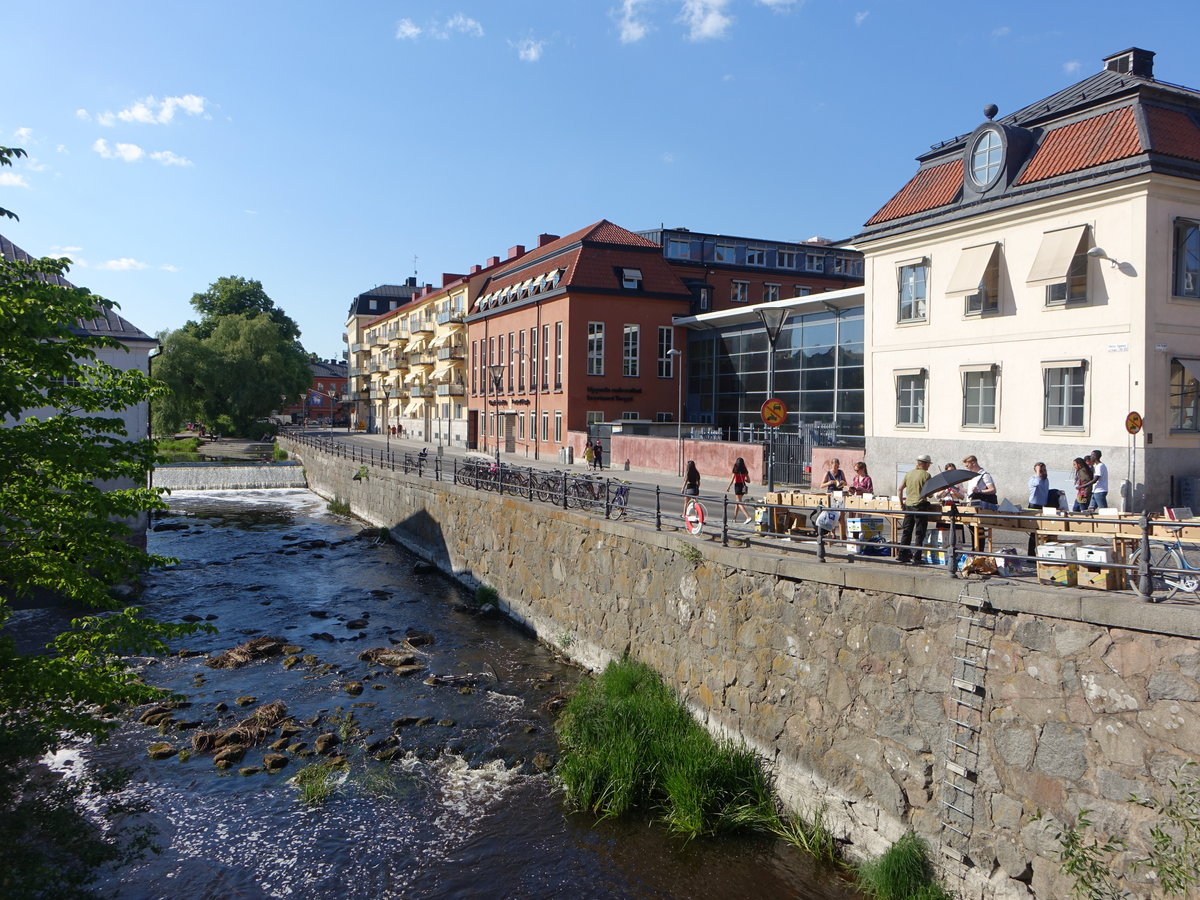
[[421, 326], [399, 361], [358, 348], [422, 359], [380, 340], [395, 393], [445, 318], [445, 353], [451, 390]]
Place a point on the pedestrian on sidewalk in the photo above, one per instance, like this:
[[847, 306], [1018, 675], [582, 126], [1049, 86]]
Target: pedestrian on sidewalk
[[598, 454], [916, 507], [588, 455], [740, 483], [691, 484], [1099, 480]]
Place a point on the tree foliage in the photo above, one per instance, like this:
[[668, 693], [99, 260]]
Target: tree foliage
[[236, 296], [241, 371], [7, 155]]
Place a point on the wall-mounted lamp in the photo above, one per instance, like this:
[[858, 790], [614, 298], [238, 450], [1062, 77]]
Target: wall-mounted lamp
[[1098, 253]]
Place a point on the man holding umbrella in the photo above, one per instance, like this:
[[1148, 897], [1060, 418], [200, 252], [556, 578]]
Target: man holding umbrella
[[915, 505]]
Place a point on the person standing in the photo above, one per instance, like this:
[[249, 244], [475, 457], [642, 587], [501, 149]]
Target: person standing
[[1099, 481], [916, 509], [1039, 486], [588, 455], [691, 484], [861, 483], [598, 455], [835, 478], [981, 489], [1083, 484], [740, 483]]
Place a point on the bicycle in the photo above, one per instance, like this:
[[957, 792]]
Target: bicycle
[[619, 500], [694, 515], [1166, 556]]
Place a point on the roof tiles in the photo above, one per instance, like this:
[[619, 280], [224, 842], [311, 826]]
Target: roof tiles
[[935, 186], [1173, 133], [1092, 142]]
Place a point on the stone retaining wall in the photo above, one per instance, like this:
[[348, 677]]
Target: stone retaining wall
[[840, 674]]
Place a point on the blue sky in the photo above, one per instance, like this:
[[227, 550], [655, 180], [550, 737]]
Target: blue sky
[[324, 149]]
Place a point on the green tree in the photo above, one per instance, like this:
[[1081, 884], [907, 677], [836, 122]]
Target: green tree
[[7, 155], [240, 372], [235, 296], [63, 536]]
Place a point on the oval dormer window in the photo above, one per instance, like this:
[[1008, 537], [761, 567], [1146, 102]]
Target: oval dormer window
[[987, 156]]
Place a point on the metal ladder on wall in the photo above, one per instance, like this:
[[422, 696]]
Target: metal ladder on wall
[[960, 778]]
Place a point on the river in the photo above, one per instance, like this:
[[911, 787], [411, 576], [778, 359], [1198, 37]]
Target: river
[[463, 810]]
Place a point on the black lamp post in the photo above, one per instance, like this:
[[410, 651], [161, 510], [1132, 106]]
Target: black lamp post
[[677, 361], [497, 372], [773, 319]]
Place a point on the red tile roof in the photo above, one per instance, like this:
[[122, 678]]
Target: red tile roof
[[935, 186], [1173, 133], [1101, 139]]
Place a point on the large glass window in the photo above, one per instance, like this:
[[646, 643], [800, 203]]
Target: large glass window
[[1064, 401], [1074, 289], [1187, 258], [1185, 395], [558, 354], [678, 249], [595, 348], [631, 351], [545, 358], [770, 293], [986, 157], [913, 292], [910, 399], [979, 398], [558, 426], [786, 259], [740, 292], [666, 343], [725, 253], [756, 256]]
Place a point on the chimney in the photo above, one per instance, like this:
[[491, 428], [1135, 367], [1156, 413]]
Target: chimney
[[544, 239], [514, 252], [411, 281], [493, 261], [476, 268], [1134, 61], [448, 277]]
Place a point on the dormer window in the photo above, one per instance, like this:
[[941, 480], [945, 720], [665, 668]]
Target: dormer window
[[631, 279], [987, 159]]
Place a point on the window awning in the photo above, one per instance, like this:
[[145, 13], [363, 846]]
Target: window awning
[[916, 371], [972, 264], [1192, 366], [978, 367], [439, 340], [441, 372], [1064, 363], [416, 344], [412, 378], [1053, 258], [413, 406]]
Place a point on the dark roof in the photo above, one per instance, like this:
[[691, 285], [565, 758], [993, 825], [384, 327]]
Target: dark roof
[[328, 369], [105, 322], [401, 293], [1106, 127]]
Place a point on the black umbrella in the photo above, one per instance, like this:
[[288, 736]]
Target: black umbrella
[[947, 479]]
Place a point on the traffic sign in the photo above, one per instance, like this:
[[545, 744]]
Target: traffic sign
[[774, 411], [1133, 422]]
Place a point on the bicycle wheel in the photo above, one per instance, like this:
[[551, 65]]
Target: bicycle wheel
[[616, 507], [693, 516], [1162, 556]]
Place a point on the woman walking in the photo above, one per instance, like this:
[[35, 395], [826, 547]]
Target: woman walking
[[691, 484], [739, 482], [1083, 484]]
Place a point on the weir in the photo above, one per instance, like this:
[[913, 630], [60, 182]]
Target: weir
[[225, 477], [848, 679]]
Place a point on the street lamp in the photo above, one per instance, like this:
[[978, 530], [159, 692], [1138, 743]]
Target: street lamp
[[677, 362], [497, 373], [773, 319]]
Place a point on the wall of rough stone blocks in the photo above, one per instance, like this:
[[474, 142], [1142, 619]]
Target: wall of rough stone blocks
[[839, 674]]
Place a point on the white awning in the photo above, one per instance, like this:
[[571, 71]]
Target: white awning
[[438, 341], [413, 406], [441, 372], [412, 378], [415, 344], [972, 264], [1053, 258]]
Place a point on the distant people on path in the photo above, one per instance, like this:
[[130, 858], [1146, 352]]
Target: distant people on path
[[588, 456], [1099, 480], [1083, 484], [740, 483], [916, 522], [598, 455], [861, 483], [835, 478], [691, 483], [1039, 486], [980, 490]]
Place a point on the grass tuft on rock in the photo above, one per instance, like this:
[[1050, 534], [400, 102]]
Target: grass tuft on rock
[[904, 872], [629, 744]]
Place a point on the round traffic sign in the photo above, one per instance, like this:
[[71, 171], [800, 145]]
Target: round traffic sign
[[774, 411], [1133, 422]]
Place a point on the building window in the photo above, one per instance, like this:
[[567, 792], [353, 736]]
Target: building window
[[666, 343], [913, 286], [595, 348], [545, 357], [664, 417], [986, 156], [910, 398], [977, 279], [630, 416], [501, 360], [786, 259], [705, 298], [631, 279], [1185, 395], [545, 425], [558, 357], [679, 249], [1064, 387], [1061, 265], [740, 292], [756, 256], [521, 359], [632, 349], [814, 262], [802, 290], [979, 398], [595, 417], [1187, 259], [725, 253], [558, 426], [770, 293], [532, 425]]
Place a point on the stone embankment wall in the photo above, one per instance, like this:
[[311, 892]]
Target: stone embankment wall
[[840, 674]]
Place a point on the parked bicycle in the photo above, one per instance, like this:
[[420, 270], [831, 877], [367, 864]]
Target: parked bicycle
[[1171, 571], [619, 500]]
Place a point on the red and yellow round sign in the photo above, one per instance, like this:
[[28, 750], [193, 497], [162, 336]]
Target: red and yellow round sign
[[774, 411], [1133, 422]]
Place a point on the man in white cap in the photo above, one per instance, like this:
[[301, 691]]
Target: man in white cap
[[915, 507]]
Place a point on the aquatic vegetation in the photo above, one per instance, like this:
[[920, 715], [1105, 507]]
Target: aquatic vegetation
[[278, 453], [339, 507], [485, 594], [904, 872], [318, 781]]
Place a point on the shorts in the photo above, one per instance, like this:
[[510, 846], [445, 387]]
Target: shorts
[[740, 490], [691, 491]]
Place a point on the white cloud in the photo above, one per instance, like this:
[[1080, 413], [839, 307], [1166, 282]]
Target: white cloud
[[458, 23], [406, 30], [152, 111], [65, 251], [23, 135], [167, 158], [778, 4], [529, 50], [668, 157], [860, 17], [12, 179], [124, 264], [1002, 31], [127, 152], [630, 27], [1072, 66], [705, 19], [83, 114], [167, 267]]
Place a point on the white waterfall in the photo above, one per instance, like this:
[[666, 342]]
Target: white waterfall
[[223, 477]]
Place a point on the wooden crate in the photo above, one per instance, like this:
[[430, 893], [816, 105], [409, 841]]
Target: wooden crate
[[1101, 579], [1063, 574]]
